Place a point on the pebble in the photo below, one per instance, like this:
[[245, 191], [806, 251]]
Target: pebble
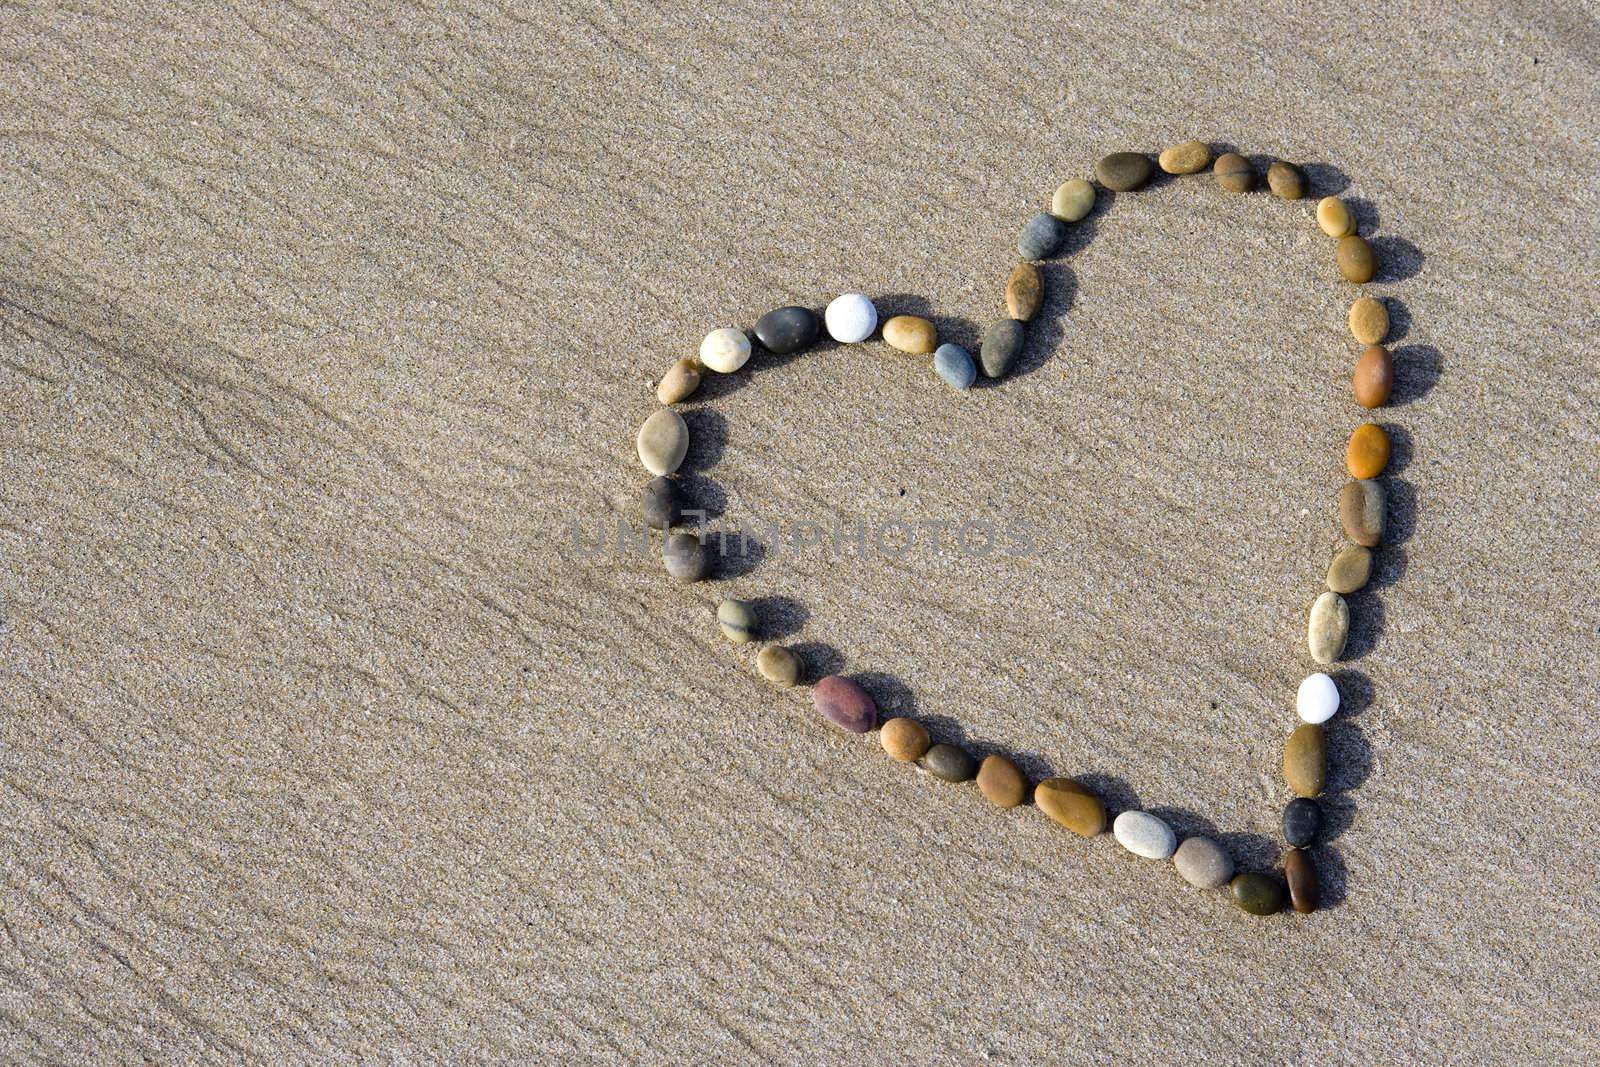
[[1123, 172], [954, 364], [1334, 216], [1301, 874], [951, 763], [911, 333], [1040, 236], [1001, 347], [1373, 379], [658, 504], [1073, 200], [1203, 863], [1362, 510], [1317, 698], [1071, 805], [1305, 761], [1234, 173], [738, 621], [851, 318], [788, 329], [1024, 291], [1369, 320], [1327, 627], [1001, 783], [904, 739], [1350, 569], [1368, 452], [778, 665], [685, 557], [1144, 835], [1258, 894], [1287, 181], [1357, 261], [663, 442], [1190, 157], [1302, 822], [681, 379], [724, 350], [845, 704]]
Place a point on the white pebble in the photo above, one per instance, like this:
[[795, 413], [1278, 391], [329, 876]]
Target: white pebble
[[851, 318], [1144, 835], [725, 350], [1318, 698]]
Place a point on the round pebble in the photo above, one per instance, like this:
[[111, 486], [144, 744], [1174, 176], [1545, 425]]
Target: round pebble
[[1327, 627], [1258, 894], [1123, 172], [1305, 761], [845, 704], [1040, 236], [1190, 157], [778, 665], [1203, 863], [1317, 698], [1301, 874], [1001, 782], [788, 329], [738, 621], [1362, 511], [1001, 347], [724, 350], [1334, 216], [1368, 452], [1072, 200], [1357, 261], [851, 318], [911, 333], [658, 504], [950, 763], [1144, 835], [1369, 320], [904, 739], [663, 442], [1071, 805], [1287, 181], [1302, 822], [1024, 291], [1373, 379], [1234, 173], [681, 380], [1350, 569], [954, 364], [685, 557]]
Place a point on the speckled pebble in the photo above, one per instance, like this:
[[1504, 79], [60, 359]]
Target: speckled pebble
[[1302, 822], [950, 763], [788, 329], [851, 318], [1144, 835], [1073, 200], [1368, 320], [845, 704], [1203, 863], [778, 665], [738, 620], [1001, 347], [1040, 236], [663, 441], [1327, 627], [725, 350], [680, 381], [954, 364], [685, 557], [1317, 699]]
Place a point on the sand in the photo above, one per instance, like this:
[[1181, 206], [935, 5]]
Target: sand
[[322, 739]]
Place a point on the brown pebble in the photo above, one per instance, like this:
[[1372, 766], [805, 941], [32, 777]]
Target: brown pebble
[[1305, 760], [1357, 261], [1369, 320], [1368, 452], [1350, 569], [1304, 892], [1286, 181], [1190, 157], [1001, 783], [911, 333], [1363, 512], [1071, 805], [1024, 291], [1373, 379], [681, 379], [1234, 173], [904, 739]]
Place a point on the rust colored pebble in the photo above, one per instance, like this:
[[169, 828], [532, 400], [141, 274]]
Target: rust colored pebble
[[1234, 173], [1368, 453], [1301, 874], [1357, 261], [1001, 783], [1374, 377], [904, 739]]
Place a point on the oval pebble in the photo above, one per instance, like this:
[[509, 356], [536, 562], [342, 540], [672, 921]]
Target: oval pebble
[[788, 329], [1001, 782], [1357, 261], [1287, 181], [778, 665], [950, 763], [1040, 236], [1302, 822], [954, 364], [724, 350], [1305, 761], [904, 739], [658, 504], [663, 442], [1373, 379], [1073, 200], [851, 318], [1190, 157], [1144, 835], [1071, 805], [1327, 627], [845, 704], [1123, 172], [685, 557], [1369, 320], [1258, 894], [1024, 291], [1362, 511], [1301, 874], [1317, 698], [1350, 569], [738, 620], [1234, 173], [680, 381], [1368, 452], [1001, 347], [911, 333], [1333, 215], [1203, 863]]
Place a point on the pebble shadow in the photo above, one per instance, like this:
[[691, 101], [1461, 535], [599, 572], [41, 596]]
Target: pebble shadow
[[1416, 370]]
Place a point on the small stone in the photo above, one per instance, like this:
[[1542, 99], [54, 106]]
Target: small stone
[[738, 621], [1373, 379], [1001, 347], [1203, 863], [1286, 181], [658, 504], [1258, 894], [904, 739], [1024, 291], [1301, 874], [1040, 236], [845, 704], [1001, 783], [1362, 510], [1334, 216], [1190, 157], [1302, 822], [1234, 173], [950, 763], [911, 333], [1072, 200], [1123, 172], [1357, 261], [1368, 452], [1369, 320], [954, 364], [778, 665], [724, 350], [1071, 805], [1305, 761], [1350, 569], [1327, 627], [1317, 699], [681, 379], [1144, 835], [663, 442], [788, 329], [851, 318], [685, 557]]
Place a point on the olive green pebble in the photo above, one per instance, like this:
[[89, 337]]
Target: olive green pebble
[[1305, 760], [1234, 173], [1350, 569], [1258, 894], [1286, 181], [1357, 261], [658, 504], [685, 557], [1123, 172], [1190, 157], [738, 621], [1072, 200], [778, 665], [950, 763]]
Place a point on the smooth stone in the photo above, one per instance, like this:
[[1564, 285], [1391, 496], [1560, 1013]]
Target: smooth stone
[[1373, 379], [1144, 835], [685, 557], [1305, 761], [1234, 173], [1040, 236], [1001, 782], [904, 739], [1350, 569], [950, 763], [954, 364], [738, 621], [1258, 894], [1369, 320], [1317, 698], [1287, 181], [1362, 511], [680, 381], [1327, 627], [1123, 172], [851, 318], [1357, 261], [658, 504], [778, 665], [1073, 200], [1024, 291], [663, 442], [1302, 822], [1334, 216], [911, 333], [1190, 157], [1301, 874], [788, 329], [1368, 452], [1071, 805], [1001, 347], [845, 704], [724, 350], [1203, 863]]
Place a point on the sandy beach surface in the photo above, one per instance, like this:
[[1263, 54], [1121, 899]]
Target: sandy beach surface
[[326, 736]]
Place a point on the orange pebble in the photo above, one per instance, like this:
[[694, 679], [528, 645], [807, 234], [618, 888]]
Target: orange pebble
[[1368, 453]]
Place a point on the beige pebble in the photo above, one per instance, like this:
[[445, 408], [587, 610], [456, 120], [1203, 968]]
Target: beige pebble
[[1024, 291], [778, 665], [1190, 157], [681, 380], [1327, 627], [1072, 200], [1234, 173], [663, 442], [1369, 320], [1333, 215]]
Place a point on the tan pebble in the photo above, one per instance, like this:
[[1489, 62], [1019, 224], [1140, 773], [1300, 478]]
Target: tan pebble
[[1363, 512], [1327, 627], [1001, 783], [778, 665], [1286, 181], [1190, 157], [681, 380], [1305, 761], [1357, 261], [1024, 291], [1373, 379], [911, 333], [1369, 320], [904, 739], [1333, 215], [1234, 173]]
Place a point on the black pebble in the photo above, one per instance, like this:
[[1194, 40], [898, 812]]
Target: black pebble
[[658, 504], [1302, 822], [788, 329]]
